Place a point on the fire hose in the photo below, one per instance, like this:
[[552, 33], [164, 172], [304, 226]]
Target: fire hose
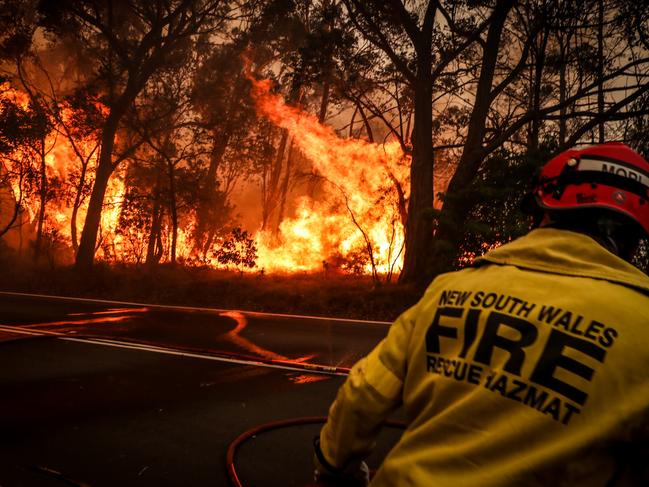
[[252, 432]]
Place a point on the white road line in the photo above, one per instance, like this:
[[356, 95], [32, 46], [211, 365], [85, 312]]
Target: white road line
[[22, 331], [195, 308], [312, 368]]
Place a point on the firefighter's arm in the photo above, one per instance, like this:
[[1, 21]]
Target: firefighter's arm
[[372, 391]]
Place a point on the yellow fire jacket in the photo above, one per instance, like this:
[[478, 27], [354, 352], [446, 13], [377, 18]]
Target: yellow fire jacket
[[529, 368]]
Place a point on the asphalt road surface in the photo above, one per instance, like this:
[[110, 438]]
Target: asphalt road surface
[[118, 394]]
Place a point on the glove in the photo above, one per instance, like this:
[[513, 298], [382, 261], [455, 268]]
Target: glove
[[354, 474]]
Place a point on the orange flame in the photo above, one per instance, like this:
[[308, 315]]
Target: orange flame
[[360, 213], [354, 223], [15, 96], [61, 162]]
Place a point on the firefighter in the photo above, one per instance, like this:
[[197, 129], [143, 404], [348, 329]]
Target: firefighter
[[531, 367]]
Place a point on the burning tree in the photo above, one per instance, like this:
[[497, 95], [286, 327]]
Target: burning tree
[[78, 118], [361, 205], [18, 125], [359, 131], [505, 74], [130, 42], [221, 99], [25, 172]]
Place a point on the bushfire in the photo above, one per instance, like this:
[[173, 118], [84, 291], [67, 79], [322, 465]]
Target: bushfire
[[354, 220], [362, 208]]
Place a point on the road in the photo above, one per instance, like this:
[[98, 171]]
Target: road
[[105, 394]]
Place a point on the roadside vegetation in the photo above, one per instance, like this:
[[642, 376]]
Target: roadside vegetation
[[317, 294]]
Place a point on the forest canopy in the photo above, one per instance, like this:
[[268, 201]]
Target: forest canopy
[[390, 138]]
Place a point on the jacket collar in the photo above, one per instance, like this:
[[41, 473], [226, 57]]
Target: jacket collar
[[568, 253]]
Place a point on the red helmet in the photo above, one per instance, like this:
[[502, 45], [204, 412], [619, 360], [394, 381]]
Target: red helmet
[[610, 176]]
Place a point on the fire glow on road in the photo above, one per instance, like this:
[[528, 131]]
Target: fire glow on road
[[288, 365], [250, 346], [328, 345]]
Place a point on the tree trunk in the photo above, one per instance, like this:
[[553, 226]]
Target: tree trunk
[[535, 95], [20, 236], [324, 103], [14, 216], [76, 205], [43, 202], [275, 191], [366, 123], [73, 225], [454, 211], [173, 211], [272, 195], [86, 252], [419, 230], [563, 87], [600, 69], [156, 227], [87, 245], [205, 211], [283, 193]]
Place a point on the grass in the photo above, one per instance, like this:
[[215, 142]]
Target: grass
[[315, 294]]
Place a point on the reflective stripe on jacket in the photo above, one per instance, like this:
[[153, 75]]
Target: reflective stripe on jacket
[[529, 368]]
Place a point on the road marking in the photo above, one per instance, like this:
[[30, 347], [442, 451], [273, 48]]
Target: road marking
[[22, 331], [111, 311], [298, 367], [99, 321], [195, 308]]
